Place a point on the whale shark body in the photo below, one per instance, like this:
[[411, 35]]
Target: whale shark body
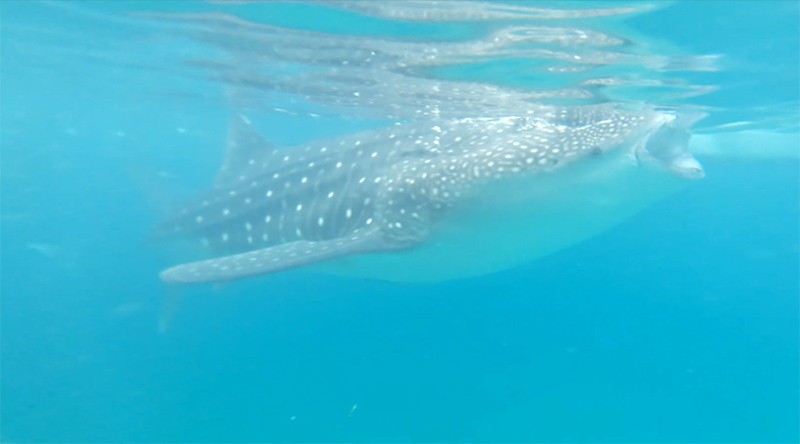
[[432, 201]]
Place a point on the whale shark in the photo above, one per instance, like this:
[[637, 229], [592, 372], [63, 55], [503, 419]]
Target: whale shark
[[427, 201]]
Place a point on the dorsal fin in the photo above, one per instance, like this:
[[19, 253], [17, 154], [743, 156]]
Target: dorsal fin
[[245, 148]]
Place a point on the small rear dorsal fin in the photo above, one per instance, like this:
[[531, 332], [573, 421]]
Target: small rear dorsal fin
[[245, 149]]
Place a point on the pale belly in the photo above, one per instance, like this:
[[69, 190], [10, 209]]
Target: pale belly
[[520, 220]]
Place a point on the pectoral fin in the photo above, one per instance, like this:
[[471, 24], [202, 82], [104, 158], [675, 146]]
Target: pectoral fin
[[273, 259]]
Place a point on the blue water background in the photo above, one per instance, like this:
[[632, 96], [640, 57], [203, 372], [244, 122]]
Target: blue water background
[[679, 325]]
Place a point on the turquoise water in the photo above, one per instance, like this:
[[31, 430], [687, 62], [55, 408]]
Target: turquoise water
[[678, 325]]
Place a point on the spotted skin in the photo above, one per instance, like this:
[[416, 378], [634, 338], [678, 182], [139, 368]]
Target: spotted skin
[[378, 191]]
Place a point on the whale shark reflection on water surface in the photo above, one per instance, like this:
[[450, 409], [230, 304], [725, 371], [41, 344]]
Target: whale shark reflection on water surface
[[427, 202]]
